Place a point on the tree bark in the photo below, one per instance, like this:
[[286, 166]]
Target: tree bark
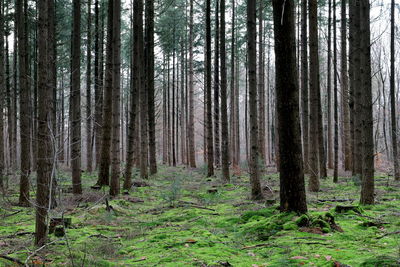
[[2, 94], [329, 88], [224, 100], [191, 144], [89, 153], [292, 187], [367, 185], [150, 84], [45, 113], [217, 143], [210, 150], [261, 86], [76, 98], [313, 183], [24, 92], [254, 162], [396, 169], [346, 144], [335, 101], [304, 84], [104, 172]]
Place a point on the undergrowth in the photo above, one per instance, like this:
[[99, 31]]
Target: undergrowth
[[178, 221]]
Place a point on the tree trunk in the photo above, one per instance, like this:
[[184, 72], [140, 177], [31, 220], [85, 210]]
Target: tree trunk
[[392, 94], [76, 99], [329, 88], [304, 84], [2, 94], [210, 150], [313, 183], [116, 123], [98, 78], [150, 84], [335, 101], [217, 143], [346, 144], [25, 113], [367, 185], [89, 153], [191, 144], [224, 111], [104, 172], [254, 161], [261, 86], [45, 108], [138, 15], [292, 187]]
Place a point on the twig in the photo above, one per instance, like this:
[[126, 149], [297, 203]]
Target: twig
[[12, 259], [256, 246], [391, 233], [37, 250], [14, 213]]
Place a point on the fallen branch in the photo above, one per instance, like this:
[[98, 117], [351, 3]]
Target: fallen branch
[[18, 234], [335, 200], [390, 233], [12, 214], [256, 246], [12, 259], [37, 250]]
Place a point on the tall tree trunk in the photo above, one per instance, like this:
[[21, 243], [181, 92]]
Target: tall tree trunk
[[254, 161], [367, 186], [150, 84], [2, 94], [191, 144], [104, 171], [292, 187], [24, 92], [313, 183], [98, 79], [76, 98], [392, 94], [224, 104], [173, 113], [346, 144], [329, 88], [45, 148], [335, 101], [261, 86], [304, 84], [89, 148], [116, 81], [217, 143], [210, 150], [138, 15], [233, 63]]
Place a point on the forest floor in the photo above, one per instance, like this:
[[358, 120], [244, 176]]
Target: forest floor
[[180, 218]]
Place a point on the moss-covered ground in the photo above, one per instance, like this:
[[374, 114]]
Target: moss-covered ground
[[184, 219]]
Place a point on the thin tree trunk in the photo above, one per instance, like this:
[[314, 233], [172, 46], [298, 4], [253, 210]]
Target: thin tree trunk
[[76, 99], [25, 113], [261, 86], [2, 94], [104, 170], [150, 84], [346, 144], [335, 101], [254, 162], [392, 94], [313, 183], [224, 111], [116, 81], [138, 15], [367, 186], [45, 148], [304, 84], [89, 153], [329, 88], [217, 143], [210, 150], [191, 144]]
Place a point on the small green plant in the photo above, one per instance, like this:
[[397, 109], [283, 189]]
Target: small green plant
[[174, 193]]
